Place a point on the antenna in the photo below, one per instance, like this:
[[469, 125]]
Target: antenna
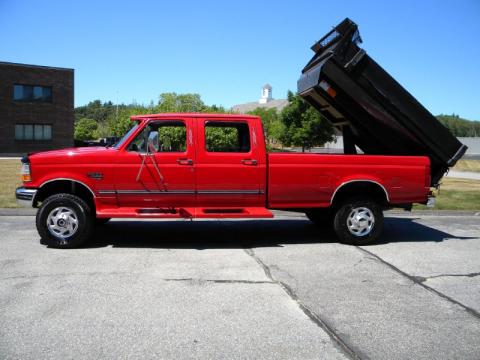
[[116, 111]]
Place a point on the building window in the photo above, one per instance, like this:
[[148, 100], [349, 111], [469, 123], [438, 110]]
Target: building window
[[32, 93], [37, 132]]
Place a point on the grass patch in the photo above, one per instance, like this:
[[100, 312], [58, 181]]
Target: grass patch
[[456, 194], [10, 180], [467, 165]]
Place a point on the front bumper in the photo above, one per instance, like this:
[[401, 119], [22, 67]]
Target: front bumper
[[25, 196]]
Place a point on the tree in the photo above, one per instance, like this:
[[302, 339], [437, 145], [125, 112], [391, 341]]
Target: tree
[[85, 129], [459, 126], [173, 102], [304, 126], [272, 124]]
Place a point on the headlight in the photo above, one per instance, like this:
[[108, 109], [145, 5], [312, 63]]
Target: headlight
[[25, 172]]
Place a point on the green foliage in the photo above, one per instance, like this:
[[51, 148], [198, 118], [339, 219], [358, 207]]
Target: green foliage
[[173, 102], [222, 139], [304, 126], [459, 126], [95, 110], [114, 120], [85, 129], [172, 138], [121, 123], [272, 124]]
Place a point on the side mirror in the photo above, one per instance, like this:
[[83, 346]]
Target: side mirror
[[152, 142]]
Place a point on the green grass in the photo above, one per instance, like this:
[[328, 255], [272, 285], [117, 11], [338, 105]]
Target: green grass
[[455, 194], [9, 181]]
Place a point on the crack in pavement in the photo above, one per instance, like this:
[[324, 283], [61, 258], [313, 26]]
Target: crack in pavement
[[342, 345], [420, 281], [425, 278], [220, 281]]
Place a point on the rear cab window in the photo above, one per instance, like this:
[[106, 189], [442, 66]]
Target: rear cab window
[[227, 137]]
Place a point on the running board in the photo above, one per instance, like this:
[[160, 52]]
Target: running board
[[231, 212], [185, 213]]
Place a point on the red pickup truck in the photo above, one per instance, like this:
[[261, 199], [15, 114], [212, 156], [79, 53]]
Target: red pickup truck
[[216, 166], [213, 166]]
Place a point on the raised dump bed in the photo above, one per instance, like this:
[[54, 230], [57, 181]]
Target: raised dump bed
[[373, 111]]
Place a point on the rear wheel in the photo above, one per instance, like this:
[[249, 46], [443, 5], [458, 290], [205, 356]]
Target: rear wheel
[[64, 221], [358, 222]]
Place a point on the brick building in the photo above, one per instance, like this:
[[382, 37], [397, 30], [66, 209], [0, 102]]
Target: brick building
[[36, 108]]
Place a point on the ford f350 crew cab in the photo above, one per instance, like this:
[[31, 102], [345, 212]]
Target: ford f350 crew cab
[[216, 166]]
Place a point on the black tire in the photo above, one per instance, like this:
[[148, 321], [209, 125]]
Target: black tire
[[76, 211], [322, 218], [101, 221], [365, 218]]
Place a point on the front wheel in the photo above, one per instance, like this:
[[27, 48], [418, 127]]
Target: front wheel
[[358, 222], [64, 221]]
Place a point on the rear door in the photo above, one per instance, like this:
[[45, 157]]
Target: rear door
[[230, 169]]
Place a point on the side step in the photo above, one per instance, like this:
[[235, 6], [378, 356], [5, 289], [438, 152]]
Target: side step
[[230, 212], [185, 213]]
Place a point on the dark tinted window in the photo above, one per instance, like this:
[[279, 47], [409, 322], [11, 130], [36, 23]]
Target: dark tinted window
[[32, 93], [33, 132], [223, 136]]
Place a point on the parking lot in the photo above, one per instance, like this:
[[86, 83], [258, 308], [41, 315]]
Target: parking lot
[[270, 289]]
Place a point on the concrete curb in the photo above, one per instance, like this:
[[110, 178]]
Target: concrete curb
[[17, 212], [433, 212]]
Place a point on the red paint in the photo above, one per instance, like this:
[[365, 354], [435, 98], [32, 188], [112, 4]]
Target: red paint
[[201, 184]]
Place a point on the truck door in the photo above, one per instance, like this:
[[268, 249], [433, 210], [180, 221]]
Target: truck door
[[164, 177], [230, 169]]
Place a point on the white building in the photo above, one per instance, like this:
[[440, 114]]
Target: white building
[[266, 94], [266, 101]]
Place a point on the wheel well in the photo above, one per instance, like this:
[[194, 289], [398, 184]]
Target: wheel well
[[368, 189], [67, 187]]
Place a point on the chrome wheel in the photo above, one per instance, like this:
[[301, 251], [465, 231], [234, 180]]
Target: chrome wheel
[[62, 222], [360, 221]]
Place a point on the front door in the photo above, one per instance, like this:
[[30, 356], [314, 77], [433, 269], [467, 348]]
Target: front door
[[163, 176]]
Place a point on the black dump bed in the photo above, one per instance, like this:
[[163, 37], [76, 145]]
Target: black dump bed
[[373, 111]]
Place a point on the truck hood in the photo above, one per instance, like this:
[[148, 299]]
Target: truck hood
[[95, 154]]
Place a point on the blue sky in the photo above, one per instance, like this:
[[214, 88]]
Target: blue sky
[[226, 51]]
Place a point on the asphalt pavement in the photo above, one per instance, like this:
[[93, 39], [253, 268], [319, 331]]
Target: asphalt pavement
[[264, 289]]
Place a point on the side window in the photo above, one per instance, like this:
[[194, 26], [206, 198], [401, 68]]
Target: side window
[[223, 136], [171, 136]]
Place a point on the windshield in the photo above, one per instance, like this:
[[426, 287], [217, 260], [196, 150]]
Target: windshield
[[126, 136]]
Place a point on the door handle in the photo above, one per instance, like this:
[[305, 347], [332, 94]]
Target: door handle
[[184, 161], [250, 162]]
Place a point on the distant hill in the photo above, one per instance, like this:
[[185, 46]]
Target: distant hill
[[460, 127]]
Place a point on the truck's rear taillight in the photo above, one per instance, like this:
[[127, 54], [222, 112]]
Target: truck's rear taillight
[[25, 172]]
